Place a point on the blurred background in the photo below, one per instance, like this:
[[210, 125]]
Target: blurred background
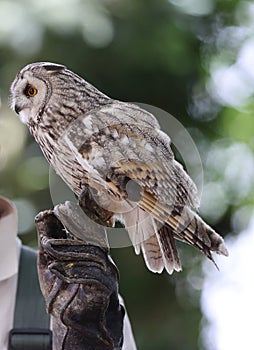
[[195, 60]]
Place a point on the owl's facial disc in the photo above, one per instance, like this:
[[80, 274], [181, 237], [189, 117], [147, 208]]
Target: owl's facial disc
[[24, 116], [28, 97]]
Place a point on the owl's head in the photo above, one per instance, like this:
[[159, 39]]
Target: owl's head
[[33, 88], [46, 93]]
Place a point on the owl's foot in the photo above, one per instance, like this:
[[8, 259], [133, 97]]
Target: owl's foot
[[78, 225], [92, 204]]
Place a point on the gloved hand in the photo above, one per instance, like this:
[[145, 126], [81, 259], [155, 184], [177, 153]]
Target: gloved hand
[[79, 282]]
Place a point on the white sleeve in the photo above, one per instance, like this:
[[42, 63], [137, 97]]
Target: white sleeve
[[128, 338]]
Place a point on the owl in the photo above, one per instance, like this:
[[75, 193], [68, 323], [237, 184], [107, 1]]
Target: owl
[[119, 150]]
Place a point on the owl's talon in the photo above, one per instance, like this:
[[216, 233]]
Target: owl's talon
[[78, 225], [90, 202]]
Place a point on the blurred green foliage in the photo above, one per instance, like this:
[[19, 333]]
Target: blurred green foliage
[[189, 58]]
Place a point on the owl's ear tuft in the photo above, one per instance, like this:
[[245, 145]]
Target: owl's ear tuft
[[53, 67]]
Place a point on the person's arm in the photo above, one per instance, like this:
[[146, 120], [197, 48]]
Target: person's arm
[[80, 285], [9, 257]]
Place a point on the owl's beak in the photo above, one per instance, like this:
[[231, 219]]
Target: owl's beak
[[17, 108]]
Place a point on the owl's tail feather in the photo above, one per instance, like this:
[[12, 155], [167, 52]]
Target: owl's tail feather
[[152, 254], [159, 250], [168, 249], [154, 234], [185, 225], [154, 240], [190, 228], [143, 235]]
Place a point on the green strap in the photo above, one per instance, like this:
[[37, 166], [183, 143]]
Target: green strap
[[31, 322]]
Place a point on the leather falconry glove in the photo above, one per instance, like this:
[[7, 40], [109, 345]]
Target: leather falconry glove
[[78, 279]]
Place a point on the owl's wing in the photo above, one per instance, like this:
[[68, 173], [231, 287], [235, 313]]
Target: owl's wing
[[122, 135], [123, 146]]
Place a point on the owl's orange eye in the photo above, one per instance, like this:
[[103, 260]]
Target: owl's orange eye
[[30, 91]]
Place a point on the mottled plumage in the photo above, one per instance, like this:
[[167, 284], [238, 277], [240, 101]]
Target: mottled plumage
[[118, 149]]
